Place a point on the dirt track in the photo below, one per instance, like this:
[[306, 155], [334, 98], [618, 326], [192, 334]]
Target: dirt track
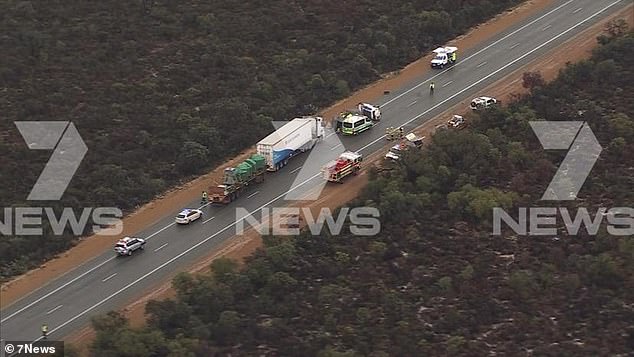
[[335, 195]]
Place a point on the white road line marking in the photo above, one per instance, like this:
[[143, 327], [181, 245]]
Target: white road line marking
[[253, 194], [412, 103], [448, 83], [386, 103], [576, 11], [206, 221], [329, 135], [55, 309], [497, 71], [515, 45], [334, 147], [163, 246], [481, 64], [477, 53], [108, 278], [318, 174], [547, 27], [74, 279], [295, 170]]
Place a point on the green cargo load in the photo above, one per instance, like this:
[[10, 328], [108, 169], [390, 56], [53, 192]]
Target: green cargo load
[[260, 161], [244, 171], [247, 167], [253, 164]]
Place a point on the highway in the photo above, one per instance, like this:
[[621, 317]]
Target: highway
[[107, 282]]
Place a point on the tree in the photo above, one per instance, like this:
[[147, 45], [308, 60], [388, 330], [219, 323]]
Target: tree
[[169, 316], [192, 157], [224, 269], [531, 80]]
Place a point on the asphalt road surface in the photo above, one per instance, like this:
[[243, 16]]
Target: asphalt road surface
[[108, 282]]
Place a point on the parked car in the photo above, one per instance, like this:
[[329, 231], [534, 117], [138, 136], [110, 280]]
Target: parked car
[[483, 102]]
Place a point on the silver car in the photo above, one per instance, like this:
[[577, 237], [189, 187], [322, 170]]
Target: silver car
[[128, 245]]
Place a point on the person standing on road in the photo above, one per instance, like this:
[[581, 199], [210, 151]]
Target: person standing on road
[[431, 88], [44, 331], [204, 198]]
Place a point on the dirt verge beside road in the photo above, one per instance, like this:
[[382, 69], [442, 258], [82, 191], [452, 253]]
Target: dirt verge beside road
[[578, 48], [149, 214]]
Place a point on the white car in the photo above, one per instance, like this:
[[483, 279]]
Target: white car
[[127, 245], [188, 215], [483, 102], [394, 153]]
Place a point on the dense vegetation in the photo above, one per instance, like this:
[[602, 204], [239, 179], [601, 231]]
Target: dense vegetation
[[435, 281], [161, 90]]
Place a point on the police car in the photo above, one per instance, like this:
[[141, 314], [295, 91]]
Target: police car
[[127, 245], [188, 215], [483, 102]]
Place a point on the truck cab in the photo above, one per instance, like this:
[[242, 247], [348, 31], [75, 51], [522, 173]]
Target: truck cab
[[444, 56]]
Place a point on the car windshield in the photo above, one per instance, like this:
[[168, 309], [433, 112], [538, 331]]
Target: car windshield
[[119, 245], [347, 125], [180, 216], [439, 57]]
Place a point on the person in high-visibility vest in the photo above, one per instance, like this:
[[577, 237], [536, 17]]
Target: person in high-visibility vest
[[44, 331], [431, 88], [204, 198], [453, 57]]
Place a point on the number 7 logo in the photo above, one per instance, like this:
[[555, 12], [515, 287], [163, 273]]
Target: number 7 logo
[[583, 151], [68, 152]]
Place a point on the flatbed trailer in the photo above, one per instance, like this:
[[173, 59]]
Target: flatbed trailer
[[236, 179]]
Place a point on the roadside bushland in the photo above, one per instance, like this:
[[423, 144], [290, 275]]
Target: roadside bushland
[[163, 90], [435, 281]]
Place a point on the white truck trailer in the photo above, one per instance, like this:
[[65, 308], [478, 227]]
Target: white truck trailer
[[296, 136]]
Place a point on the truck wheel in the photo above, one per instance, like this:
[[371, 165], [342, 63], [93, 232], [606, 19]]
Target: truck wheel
[[129, 252]]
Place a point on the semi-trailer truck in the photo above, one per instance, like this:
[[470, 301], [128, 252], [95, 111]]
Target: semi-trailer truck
[[296, 136], [237, 178]]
